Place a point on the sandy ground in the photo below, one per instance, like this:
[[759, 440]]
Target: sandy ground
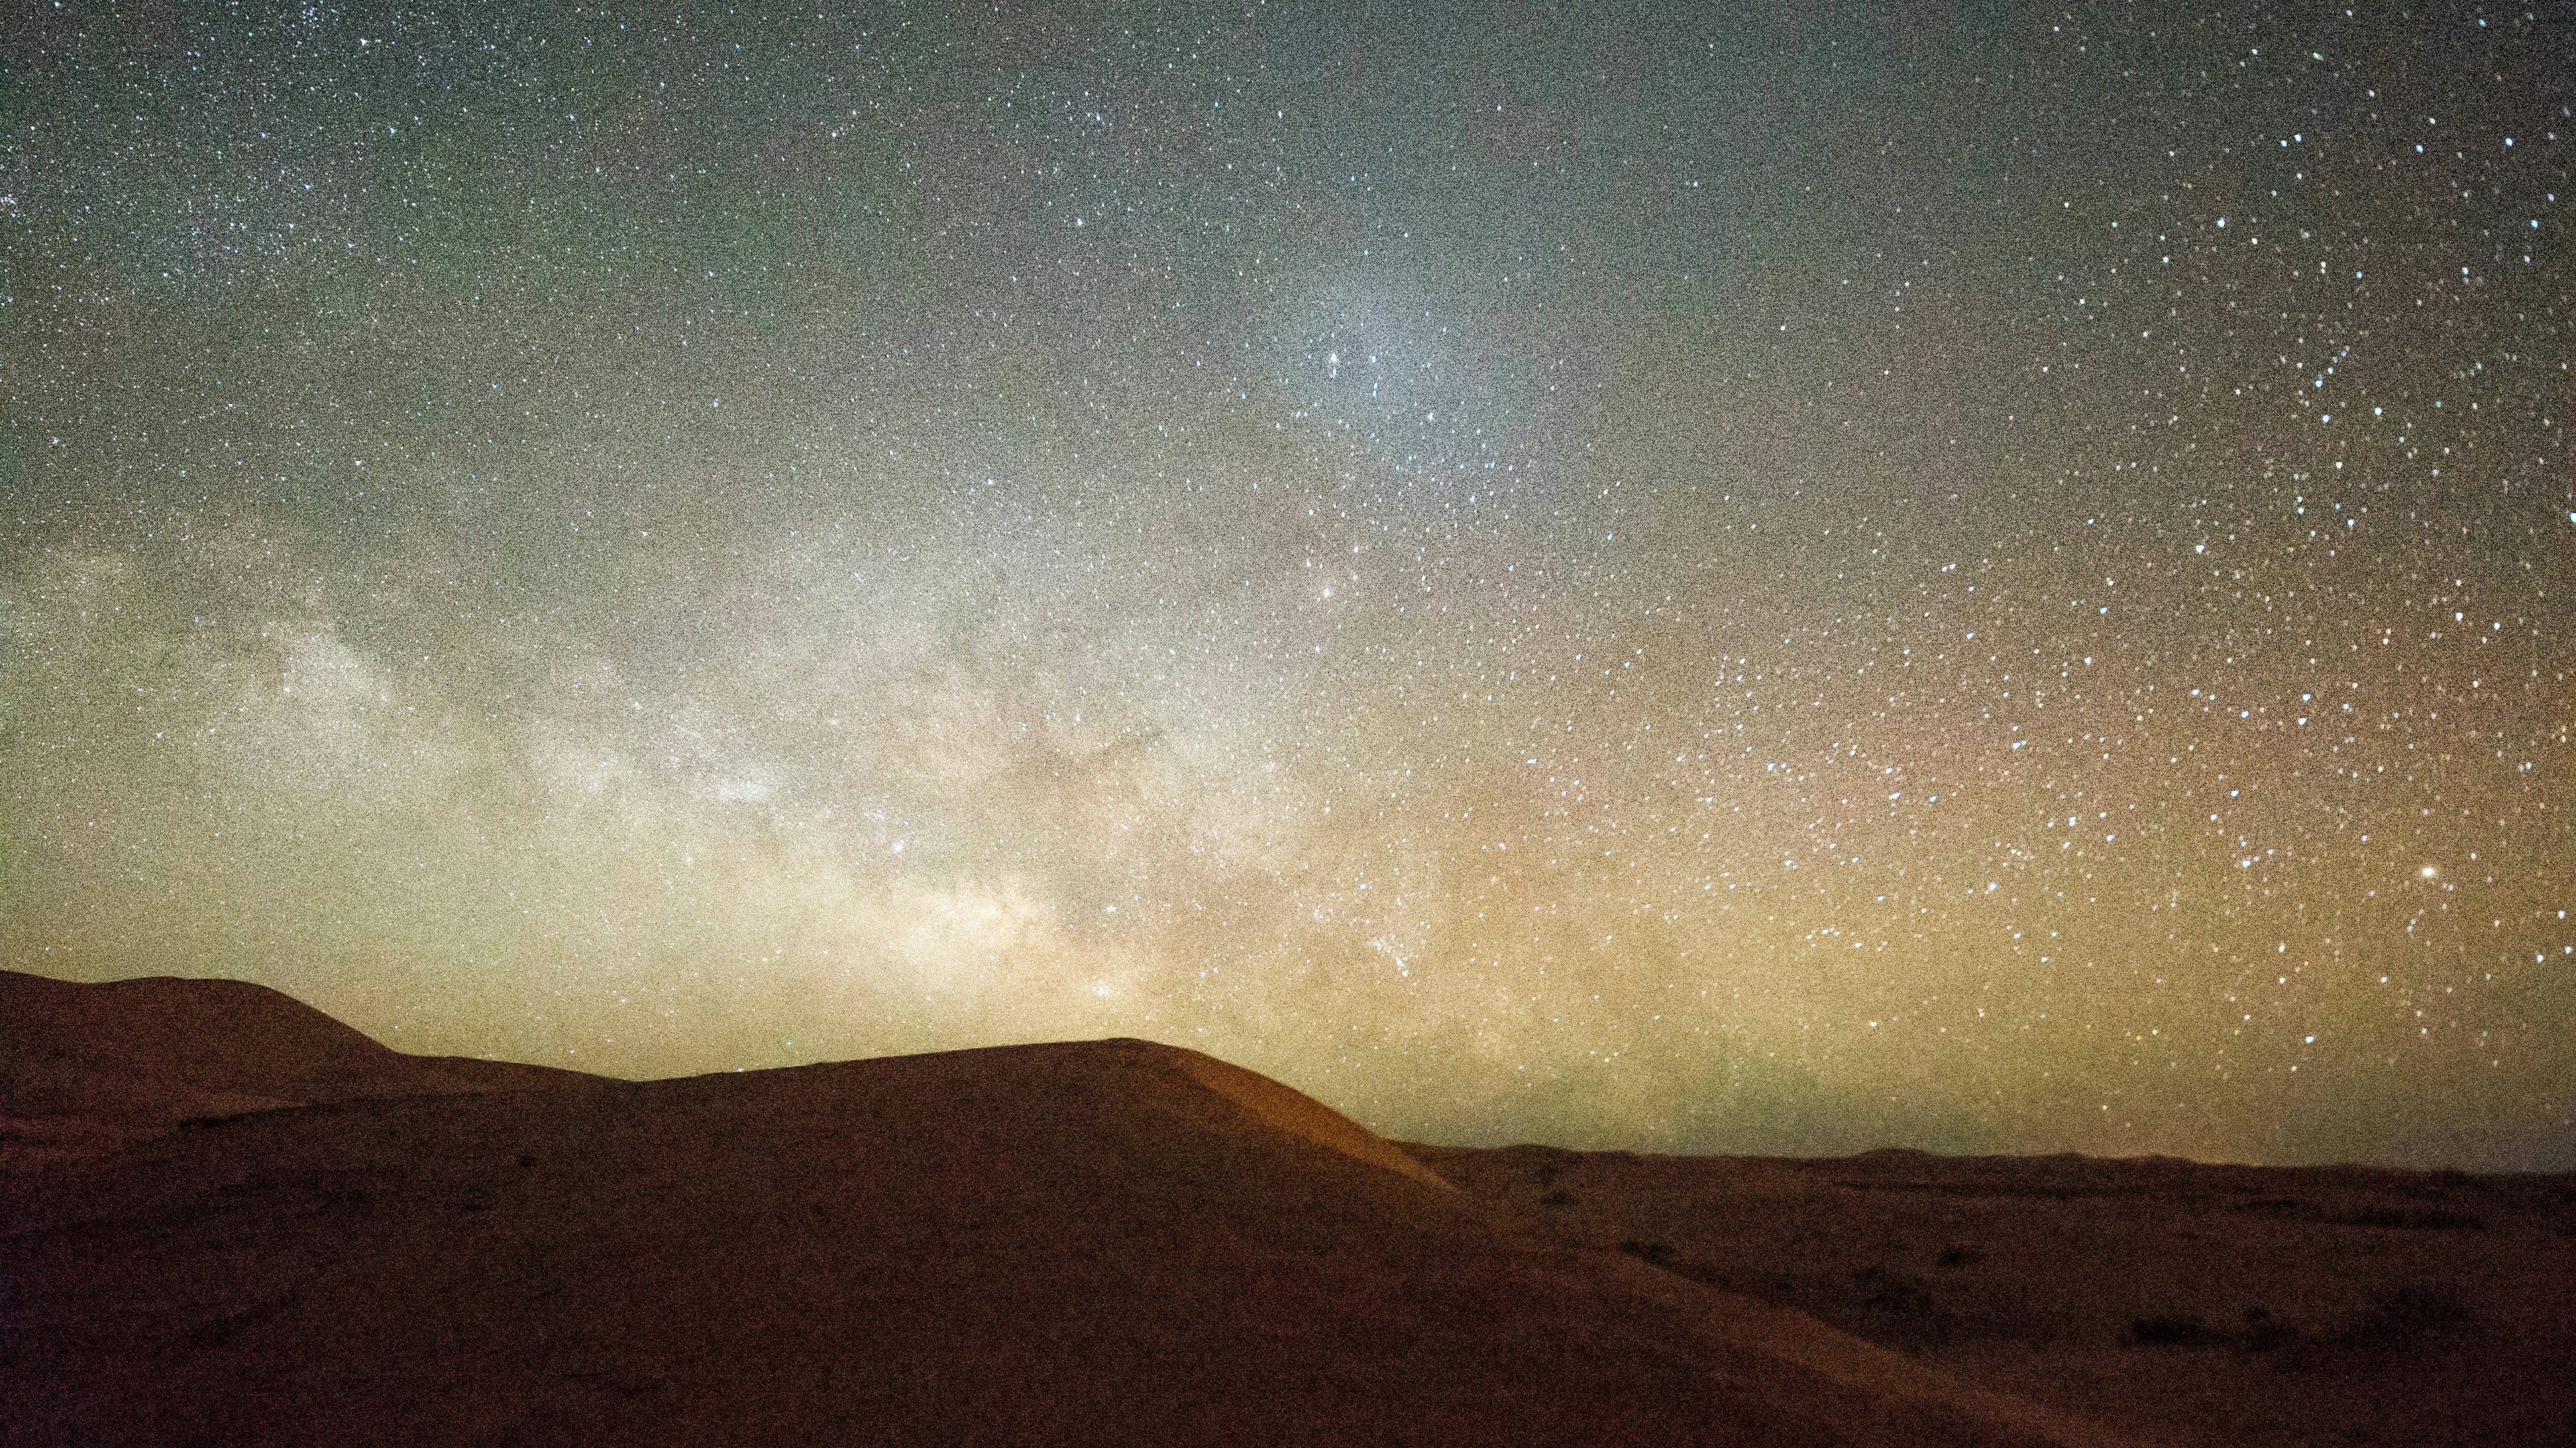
[[2178, 1302], [226, 1218]]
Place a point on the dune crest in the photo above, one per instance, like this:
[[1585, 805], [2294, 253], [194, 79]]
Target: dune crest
[[88, 1067], [1300, 1115], [1078, 1242]]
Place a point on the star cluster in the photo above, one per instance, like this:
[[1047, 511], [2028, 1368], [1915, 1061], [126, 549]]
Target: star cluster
[[1990, 581]]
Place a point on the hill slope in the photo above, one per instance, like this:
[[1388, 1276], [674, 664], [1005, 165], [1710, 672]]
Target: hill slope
[[85, 1067], [1096, 1242]]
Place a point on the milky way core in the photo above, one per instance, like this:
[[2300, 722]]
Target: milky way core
[[1987, 581]]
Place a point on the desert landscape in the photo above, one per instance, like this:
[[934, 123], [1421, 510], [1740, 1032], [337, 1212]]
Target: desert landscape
[[1287, 724], [229, 1218]]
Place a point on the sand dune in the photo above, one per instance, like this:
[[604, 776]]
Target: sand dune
[[286, 1233], [84, 1068]]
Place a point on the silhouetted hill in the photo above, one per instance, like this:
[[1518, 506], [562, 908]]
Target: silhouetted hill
[[86, 1066], [1093, 1242]]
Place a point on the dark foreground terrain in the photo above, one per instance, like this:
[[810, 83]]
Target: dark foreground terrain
[[226, 1218], [2170, 1301]]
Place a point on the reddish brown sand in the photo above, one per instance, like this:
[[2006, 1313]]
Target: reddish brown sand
[[2172, 1301], [86, 1067], [225, 1218]]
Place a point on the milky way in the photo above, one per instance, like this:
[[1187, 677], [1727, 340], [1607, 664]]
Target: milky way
[[1992, 582]]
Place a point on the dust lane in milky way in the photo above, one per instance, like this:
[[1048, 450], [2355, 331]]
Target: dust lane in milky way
[[1986, 582]]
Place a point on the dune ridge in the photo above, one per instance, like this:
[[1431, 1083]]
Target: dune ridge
[[1113, 1241], [88, 1067]]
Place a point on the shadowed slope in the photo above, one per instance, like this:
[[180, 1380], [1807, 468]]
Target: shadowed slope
[[84, 1067], [1097, 1242], [1300, 1115]]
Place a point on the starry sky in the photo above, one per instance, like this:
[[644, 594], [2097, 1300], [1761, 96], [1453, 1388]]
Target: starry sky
[[1985, 578]]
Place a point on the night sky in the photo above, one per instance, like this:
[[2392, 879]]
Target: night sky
[[1982, 579]]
